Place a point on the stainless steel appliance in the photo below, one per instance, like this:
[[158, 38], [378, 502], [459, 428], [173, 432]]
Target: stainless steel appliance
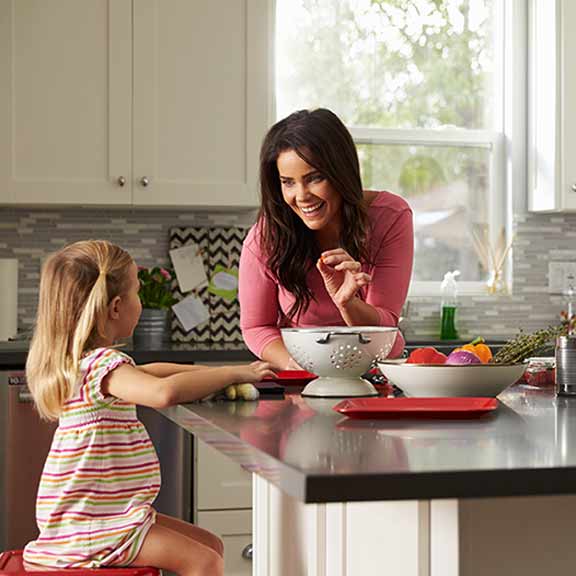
[[24, 443], [174, 448]]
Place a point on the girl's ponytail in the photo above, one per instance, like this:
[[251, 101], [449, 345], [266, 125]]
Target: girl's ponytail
[[77, 284], [91, 319]]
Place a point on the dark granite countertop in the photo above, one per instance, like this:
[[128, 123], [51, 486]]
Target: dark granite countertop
[[13, 354], [528, 447]]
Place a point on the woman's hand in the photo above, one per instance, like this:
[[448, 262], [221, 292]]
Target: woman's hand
[[254, 372], [292, 365], [342, 276]]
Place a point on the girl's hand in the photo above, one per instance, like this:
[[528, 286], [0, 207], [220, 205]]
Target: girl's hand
[[254, 372], [342, 276]]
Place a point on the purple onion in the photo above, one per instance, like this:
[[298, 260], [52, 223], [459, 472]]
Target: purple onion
[[462, 357]]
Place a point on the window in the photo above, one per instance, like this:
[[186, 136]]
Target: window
[[421, 86]]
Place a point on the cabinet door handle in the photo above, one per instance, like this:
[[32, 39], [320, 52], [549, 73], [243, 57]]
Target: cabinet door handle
[[248, 552], [144, 181], [573, 187], [121, 181]]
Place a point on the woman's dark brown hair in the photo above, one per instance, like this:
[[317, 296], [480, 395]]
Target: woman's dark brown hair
[[320, 138]]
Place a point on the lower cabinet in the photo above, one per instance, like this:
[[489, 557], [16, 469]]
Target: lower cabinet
[[223, 505], [234, 527]]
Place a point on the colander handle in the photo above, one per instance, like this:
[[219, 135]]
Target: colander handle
[[326, 338]]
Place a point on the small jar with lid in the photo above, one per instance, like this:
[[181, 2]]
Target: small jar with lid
[[540, 373]]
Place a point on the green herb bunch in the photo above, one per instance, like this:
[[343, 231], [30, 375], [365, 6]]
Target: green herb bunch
[[525, 345], [155, 287]]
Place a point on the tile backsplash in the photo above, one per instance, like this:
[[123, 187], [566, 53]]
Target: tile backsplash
[[30, 233]]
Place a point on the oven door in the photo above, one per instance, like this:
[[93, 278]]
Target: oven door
[[25, 441]]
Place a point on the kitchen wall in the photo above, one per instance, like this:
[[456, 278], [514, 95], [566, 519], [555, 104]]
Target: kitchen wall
[[29, 234]]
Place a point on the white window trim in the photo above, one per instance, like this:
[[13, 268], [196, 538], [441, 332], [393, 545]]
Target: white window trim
[[487, 139]]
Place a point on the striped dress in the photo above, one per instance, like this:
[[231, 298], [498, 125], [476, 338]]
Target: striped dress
[[94, 504]]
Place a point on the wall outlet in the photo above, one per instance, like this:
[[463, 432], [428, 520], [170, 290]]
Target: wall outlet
[[559, 276]]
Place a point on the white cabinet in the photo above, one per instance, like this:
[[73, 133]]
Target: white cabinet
[[221, 484], [552, 118], [65, 101], [223, 505], [234, 527], [132, 102]]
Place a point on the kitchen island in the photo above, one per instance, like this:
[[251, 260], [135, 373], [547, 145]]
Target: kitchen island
[[341, 497]]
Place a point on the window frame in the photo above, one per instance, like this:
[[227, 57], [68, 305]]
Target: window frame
[[507, 142]]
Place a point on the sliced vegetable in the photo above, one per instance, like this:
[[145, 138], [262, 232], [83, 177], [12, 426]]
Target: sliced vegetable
[[427, 355], [478, 347], [461, 357]]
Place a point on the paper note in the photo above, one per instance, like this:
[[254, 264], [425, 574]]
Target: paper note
[[191, 312], [188, 266], [224, 282]]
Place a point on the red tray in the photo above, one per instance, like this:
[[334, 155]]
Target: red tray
[[292, 377], [416, 407]]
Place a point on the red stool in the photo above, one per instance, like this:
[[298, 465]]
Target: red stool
[[11, 564]]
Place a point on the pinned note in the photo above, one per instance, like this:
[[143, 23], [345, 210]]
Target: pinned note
[[191, 312], [224, 282], [189, 267]]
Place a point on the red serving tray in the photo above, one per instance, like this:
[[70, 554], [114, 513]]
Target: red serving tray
[[292, 377], [467, 407]]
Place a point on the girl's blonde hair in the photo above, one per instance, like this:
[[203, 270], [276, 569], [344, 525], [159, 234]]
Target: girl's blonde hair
[[77, 284]]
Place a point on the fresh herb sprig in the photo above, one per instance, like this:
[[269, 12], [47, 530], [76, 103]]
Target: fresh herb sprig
[[523, 345]]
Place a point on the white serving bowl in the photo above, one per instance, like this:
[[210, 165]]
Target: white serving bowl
[[339, 355], [444, 380]]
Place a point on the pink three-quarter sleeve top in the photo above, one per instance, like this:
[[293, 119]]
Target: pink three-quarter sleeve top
[[264, 302]]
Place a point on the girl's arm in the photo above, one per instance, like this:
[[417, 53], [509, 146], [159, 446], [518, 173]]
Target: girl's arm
[[162, 369], [137, 387]]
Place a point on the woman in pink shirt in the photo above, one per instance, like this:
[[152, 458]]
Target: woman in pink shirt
[[323, 252]]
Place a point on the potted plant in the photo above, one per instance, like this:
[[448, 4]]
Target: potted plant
[[156, 297]]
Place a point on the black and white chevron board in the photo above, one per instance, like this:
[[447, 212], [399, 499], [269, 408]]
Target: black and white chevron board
[[219, 245]]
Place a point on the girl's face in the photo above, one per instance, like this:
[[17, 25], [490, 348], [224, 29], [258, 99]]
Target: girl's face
[[309, 193], [129, 305]]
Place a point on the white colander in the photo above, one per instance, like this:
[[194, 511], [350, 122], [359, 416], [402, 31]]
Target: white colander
[[339, 355]]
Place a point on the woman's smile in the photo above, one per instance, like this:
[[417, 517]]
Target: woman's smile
[[313, 210]]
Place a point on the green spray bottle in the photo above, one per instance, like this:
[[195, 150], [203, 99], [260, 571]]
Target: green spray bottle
[[449, 291]]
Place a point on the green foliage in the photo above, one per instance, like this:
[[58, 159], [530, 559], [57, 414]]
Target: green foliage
[[419, 174], [155, 287]]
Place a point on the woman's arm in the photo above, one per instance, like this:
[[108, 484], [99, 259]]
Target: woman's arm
[[392, 270], [137, 387], [277, 355], [258, 296]]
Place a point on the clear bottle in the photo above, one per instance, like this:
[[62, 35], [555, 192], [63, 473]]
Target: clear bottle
[[449, 290]]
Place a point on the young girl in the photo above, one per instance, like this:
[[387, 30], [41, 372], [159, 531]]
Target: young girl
[[94, 505]]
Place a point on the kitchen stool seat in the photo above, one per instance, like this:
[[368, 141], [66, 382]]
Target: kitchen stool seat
[[11, 564]]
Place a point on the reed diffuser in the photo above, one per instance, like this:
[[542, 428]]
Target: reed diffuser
[[492, 258]]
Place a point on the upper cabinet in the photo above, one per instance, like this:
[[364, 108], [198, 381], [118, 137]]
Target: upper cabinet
[[132, 102], [552, 118]]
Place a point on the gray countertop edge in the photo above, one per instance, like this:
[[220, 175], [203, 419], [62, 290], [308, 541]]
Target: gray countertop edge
[[440, 485], [319, 488], [288, 479]]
